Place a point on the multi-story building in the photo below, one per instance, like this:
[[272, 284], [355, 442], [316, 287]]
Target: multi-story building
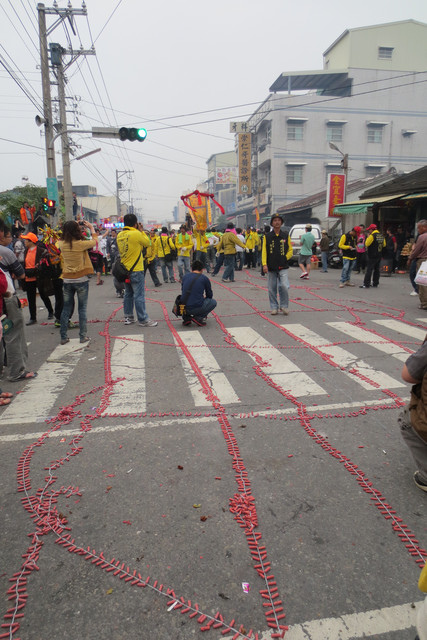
[[368, 101], [222, 179]]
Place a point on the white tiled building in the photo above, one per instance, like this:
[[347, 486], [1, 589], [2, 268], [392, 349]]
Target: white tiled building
[[369, 101]]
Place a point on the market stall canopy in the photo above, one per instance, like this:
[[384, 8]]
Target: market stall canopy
[[362, 206]]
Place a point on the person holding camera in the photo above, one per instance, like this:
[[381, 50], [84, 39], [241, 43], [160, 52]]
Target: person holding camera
[[76, 268], [131, 241]]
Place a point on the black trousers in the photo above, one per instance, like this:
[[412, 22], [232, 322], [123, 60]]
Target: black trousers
[[372, 269], [31, 288]]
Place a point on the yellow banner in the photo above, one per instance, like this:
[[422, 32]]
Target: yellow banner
[[245, 173]]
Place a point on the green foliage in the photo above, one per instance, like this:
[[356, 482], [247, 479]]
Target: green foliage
[[11, 201]]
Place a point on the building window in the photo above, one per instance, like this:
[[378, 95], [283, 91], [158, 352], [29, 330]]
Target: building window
[[334, 133], [375, 134], [295, 130], [332, 168], [385, 53], [294, 173], [372, 170]]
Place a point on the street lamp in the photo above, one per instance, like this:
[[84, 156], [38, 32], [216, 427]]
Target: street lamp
[[344, 164]]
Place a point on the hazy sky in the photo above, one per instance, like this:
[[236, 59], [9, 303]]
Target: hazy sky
[[181, 69]]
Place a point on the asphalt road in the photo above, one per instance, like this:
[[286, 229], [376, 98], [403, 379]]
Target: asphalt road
[[230, 479]]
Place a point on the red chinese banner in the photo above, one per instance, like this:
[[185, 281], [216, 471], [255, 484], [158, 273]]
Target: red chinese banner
[[335, 193]]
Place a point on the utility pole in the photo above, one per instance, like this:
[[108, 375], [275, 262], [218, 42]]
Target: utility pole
[[47, 103], [61, 14], [119, 174], [66, 173]]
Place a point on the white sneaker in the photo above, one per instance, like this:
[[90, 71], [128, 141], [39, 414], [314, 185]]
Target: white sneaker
[[274, 312], [129, 320], [304, 275], [148, 323], [413, 293], [284, 311]]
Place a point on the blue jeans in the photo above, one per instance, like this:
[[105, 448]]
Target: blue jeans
[[183, 266], [208, 305], [203, 257], [169, 266], [347, 266], [135, 295], [218, 264], [229, 264], [82, 290], [278, 281], [324, 260]]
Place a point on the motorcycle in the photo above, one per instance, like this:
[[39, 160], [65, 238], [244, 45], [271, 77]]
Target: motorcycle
[[334, 257]]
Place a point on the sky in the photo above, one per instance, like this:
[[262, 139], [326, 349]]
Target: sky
[[183, 70]]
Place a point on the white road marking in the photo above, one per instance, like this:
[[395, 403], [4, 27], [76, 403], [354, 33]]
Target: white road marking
[[281, 370], [401, 327], [147, 423], [39, 394], [127, 361], [356, 625], [376, 342], [346, 360], [209, 368]]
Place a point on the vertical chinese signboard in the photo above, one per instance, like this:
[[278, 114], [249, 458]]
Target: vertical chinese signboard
[[245, 181], [335, 193]]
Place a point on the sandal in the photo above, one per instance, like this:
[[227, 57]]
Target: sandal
[[27, 375], [4, 402]]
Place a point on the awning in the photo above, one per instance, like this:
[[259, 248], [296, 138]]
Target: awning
[[415, 195], [362, 206]]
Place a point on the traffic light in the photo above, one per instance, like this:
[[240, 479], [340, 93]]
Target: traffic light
[[51, 206], [45, 205], [132, 133]]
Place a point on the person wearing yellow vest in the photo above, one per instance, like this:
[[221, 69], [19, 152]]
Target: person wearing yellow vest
[[184, 245], [347, 244], [165, 246], [150, 259], [131, 242], [252, 242], [228, 242], [201, 249]]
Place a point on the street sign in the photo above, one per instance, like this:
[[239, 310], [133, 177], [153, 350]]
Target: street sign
[[239, 127], [52, 189]]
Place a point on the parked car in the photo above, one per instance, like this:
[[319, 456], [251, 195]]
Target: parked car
[[295, 235]]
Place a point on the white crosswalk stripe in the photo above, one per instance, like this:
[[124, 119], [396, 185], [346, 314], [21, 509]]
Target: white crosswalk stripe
[[281, 370], [346, 359], [127, 361], [210, 369], [401, 327], [376, 342], [39, 395]]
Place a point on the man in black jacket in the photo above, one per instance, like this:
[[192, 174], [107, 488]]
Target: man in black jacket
[[374, 244], [276, 251]]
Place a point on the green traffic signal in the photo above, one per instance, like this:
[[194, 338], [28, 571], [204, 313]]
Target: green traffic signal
[[132, 133]]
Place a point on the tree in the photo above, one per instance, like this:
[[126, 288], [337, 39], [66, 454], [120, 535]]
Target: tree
[[11, 201]]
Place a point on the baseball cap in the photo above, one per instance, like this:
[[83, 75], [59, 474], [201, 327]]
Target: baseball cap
[[371, 227], [276, 215], [31, 236]]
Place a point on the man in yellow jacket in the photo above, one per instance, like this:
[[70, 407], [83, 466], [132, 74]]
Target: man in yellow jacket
[[228, 243], [150, 259], [131, 242], [201, 248], [184, 245]]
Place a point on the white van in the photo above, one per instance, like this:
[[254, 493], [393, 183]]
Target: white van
[[295, 235]]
